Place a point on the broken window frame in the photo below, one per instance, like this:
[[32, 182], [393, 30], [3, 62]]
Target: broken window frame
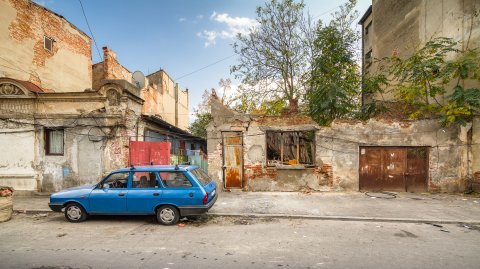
[[296, 152], [48, 142]]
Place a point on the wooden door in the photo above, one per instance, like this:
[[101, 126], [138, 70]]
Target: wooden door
[[232, 159], [416, 176]]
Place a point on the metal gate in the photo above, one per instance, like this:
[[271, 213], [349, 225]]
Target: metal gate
[[146, 153], [232, 159], [393, 169]]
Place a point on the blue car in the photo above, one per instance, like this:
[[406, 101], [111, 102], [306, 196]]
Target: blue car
[[169, 192]]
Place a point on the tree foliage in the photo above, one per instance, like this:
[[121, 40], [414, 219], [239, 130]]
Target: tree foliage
[[438, 79], [335, 81], [198, 126], [272, 56]]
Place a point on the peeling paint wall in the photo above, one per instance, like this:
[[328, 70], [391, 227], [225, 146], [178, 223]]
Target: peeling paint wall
[[23, 25], [453, 151], [257, 176], [339, 144]]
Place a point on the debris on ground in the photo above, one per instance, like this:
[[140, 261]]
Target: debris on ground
[[61, 235], [382, 195], [181, 225]]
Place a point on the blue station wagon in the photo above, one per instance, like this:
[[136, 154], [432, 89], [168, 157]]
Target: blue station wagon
[[167, 191]]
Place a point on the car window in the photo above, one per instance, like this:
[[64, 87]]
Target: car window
[[116, 181], [144, 180], [201, 176], [175, 180]]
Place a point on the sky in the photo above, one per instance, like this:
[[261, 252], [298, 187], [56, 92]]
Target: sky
[[190, 39]]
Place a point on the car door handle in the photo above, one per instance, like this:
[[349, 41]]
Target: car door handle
[[156, 194], [190, 194], [121, 194]]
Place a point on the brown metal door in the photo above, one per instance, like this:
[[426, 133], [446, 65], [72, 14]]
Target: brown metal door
[[382, 168], [232, 159], [393, 169], [416, 175]]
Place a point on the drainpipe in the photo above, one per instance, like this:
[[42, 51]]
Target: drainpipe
[[176, 104]]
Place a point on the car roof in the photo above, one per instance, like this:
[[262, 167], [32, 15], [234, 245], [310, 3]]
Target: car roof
[[165, 168]]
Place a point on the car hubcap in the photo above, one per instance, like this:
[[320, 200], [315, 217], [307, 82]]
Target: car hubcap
[[74, 213], [167, 215]]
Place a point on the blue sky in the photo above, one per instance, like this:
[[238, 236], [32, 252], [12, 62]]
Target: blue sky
[[179, 36]]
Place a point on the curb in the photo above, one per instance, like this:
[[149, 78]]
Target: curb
[[33, 211], [308, 217], [345, 218]]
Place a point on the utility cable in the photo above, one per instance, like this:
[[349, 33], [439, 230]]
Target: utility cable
[[90, 29]]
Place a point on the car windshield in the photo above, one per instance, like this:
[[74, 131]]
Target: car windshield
[[202, 176]]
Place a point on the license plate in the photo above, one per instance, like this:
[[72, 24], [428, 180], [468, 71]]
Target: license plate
[[213, 193]]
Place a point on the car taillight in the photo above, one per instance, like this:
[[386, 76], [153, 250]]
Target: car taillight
[[205, 198]]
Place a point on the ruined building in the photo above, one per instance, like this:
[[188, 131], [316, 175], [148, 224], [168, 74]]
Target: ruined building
[[291, 153], [63, 122]]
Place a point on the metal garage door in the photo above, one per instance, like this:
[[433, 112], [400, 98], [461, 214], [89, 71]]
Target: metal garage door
[[393, 169]]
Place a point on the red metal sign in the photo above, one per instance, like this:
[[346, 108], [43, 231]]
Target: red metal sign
[[146, 153]]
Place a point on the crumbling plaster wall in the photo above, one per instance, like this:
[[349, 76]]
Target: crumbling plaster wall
[[256, 175], [23, 25], [339, 144]]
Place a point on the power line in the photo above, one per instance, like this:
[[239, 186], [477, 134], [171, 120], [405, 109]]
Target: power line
[[200, 69], [90, 29]]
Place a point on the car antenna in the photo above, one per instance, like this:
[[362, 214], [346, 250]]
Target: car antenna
[[132, 167], [176, 167], [151, 163]]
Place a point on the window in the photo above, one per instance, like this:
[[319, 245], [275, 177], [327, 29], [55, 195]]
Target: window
[[367, 29], [368, 58], [175, 180], [290, 148], [116, 181], [48, 43], [144, 180], [54, 141], [201, 176]]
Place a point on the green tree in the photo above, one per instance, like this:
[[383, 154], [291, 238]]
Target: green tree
[[198, 126], [335, 76], [272, 55], [438, 79]]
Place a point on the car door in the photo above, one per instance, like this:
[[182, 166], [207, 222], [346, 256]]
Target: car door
[[144, 193], [179, 190], [110, 196]]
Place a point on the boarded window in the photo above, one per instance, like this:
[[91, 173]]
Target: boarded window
[[290, 148], [53, 142]]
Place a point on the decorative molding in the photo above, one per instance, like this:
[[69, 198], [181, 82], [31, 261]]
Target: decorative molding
[[10, 89]]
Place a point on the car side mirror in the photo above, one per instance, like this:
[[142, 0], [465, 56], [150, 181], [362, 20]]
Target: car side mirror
[[106, 186]]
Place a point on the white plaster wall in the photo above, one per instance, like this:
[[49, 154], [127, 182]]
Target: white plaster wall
[[17, 159]]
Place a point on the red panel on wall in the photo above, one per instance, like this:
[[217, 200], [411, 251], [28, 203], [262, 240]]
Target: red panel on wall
[[146, 152]]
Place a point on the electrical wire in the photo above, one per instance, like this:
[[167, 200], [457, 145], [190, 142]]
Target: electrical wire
[[202, 68], [90, 29]]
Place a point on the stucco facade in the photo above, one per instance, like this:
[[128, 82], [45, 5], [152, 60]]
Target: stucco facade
[[64, 122]]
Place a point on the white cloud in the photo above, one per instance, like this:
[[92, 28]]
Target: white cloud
[[234, 25], [182, 19], [200, 16]]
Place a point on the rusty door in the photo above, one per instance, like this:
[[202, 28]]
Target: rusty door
[[382, 168], [393, 168], [232, 159], [416, 176]]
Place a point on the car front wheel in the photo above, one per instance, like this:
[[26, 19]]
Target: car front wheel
[[75, 213], [167, 215]]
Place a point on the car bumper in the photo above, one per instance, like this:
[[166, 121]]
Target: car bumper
[[196, 210], [57, 207]]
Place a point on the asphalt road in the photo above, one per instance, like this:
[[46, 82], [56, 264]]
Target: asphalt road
[[39, 241]]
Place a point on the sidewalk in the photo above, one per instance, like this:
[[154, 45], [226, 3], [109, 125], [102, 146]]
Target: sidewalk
[[406, 207]]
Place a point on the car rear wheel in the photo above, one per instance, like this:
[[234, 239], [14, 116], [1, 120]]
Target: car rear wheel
[[75, 213], [167, 215]]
